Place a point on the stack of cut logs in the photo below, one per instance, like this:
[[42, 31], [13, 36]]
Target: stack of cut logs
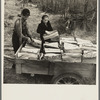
[[52, 50], [89, 51], [67, 49], [29, 52], [78, 50]]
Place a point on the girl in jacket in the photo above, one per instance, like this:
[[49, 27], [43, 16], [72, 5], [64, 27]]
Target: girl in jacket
[[42, 29]]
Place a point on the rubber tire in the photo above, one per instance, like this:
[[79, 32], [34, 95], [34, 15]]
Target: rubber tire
[[77, 77]]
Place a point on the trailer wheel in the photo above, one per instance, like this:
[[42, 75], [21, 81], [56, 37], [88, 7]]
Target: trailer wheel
[[67, 78]]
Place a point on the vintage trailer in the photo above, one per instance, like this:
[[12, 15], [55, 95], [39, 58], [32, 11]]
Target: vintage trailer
[[62, 72]]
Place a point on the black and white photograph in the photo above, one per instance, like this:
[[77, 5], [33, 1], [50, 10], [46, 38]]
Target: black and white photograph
[[50, 42]]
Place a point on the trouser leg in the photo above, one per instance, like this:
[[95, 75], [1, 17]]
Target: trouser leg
[[42, 50]]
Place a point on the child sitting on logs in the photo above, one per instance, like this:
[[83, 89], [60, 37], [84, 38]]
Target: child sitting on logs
[[44, 28]]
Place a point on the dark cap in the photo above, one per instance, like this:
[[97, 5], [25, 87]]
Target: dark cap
[[25, 12]]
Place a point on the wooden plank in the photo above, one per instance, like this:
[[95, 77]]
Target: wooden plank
[[28, 46], [73, 51], [89, 60], [86, 44], [69, 46], [27, 56], [82, 69], [35, 67], [81, 41], [51, 50], [71, 57], [51, 69], [52, 57], [18, 68], [31, 50], [68, 41], [72, 54], [89, 54], [54, 45], [88, 48], [30, 61]]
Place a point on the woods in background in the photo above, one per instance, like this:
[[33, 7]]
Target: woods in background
[[81, 12]]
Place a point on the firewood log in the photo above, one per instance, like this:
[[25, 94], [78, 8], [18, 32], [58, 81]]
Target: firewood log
[[51, 50], [52, 45], [89, 60], [52, 35], [87, 48], [69, 46], [84, 42], [72, 57], [68, 40], [52, 57], [73, 51], [31, 50], [27, 56], [89, 54]]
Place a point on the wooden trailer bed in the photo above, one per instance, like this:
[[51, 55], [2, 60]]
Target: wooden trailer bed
[[63, 72]]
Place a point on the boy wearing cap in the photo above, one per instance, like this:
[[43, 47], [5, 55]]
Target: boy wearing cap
[[21, 32]]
